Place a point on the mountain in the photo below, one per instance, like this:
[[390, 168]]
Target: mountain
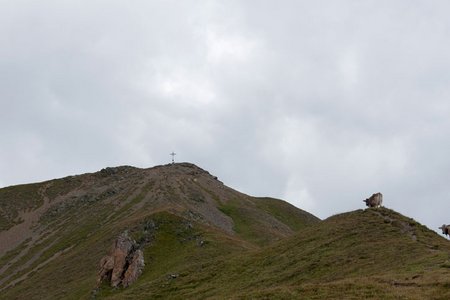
[[55, 232], [202, 239]]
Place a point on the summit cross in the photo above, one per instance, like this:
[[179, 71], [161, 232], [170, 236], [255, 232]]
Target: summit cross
[[173, 157]]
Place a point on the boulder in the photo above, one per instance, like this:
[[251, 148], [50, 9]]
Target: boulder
[[124, 263], [121, 249]]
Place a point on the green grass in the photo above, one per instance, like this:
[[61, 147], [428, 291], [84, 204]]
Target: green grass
[[15, 199], [174, 244], [286, 213], [244, 225], [353, 254], [176, 247], [255, 219], [60, 187], [276, 252]]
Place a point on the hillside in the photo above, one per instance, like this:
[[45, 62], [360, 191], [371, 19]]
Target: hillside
[[373, 253], [204, 240], [364, 254], [48, 226]]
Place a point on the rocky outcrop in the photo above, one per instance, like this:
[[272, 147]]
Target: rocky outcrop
[[124, 263], [135, 269]]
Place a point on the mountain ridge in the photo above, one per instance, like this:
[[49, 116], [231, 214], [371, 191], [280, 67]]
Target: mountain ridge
[[202, 239]]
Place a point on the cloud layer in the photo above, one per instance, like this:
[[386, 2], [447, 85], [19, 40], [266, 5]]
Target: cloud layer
[[320, 103]]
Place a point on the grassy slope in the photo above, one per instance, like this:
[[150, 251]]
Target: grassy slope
[[28, 197], [295, 218], [15, 199], [251, 218], [362, 254], [173, 243], [174, 249], [80, 229]]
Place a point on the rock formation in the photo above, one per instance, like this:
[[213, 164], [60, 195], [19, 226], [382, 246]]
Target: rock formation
[[135, 269], [124, 263]]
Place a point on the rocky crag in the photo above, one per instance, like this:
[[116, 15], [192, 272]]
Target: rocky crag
[[123, 265]]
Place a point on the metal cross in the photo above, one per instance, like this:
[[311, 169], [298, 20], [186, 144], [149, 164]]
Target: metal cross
[[173, 157]]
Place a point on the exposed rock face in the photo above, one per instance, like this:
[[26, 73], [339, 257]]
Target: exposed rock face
[[135, 269], [124, 264], [121, 248], [106, 267]]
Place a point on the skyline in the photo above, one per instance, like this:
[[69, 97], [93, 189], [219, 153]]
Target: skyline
[[317, 103]]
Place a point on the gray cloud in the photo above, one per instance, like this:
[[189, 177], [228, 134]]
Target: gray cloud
[[320, 103]]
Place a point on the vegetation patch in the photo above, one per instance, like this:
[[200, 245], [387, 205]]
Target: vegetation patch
[[286, 213], [60, 187], [16, 199], [245, 223]]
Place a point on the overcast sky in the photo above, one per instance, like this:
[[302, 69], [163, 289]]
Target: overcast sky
[[320, 103]]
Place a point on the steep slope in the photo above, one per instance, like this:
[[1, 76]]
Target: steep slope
[[373, 253], [55, 232]]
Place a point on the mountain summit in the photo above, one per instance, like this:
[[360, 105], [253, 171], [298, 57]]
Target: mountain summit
[[202, 239], [77, 217]]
